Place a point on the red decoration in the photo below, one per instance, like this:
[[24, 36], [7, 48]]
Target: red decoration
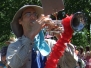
[[59, 47]]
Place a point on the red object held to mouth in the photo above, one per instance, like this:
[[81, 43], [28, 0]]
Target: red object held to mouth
[[59, 47]]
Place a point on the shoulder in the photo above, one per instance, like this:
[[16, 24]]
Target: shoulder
[[15, 44]]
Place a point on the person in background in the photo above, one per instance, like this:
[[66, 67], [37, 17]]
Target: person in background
[[81, 52], [88, 59], [1, 64], [12, 39], [3, 52], [3, 56]]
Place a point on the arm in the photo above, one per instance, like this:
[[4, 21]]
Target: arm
[[18, 52], [69, 56]]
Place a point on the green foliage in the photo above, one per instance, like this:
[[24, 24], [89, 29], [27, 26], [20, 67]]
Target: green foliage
[[71, 6], [7, 10], [9, 7], [81, 38]]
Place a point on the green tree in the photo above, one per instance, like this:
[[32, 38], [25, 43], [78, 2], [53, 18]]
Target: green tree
[[7, 10], [9, 7], [72, 6]]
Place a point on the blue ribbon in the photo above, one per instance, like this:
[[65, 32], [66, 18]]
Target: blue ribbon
[[41, 45]]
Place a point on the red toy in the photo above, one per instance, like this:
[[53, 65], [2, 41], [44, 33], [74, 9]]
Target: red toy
[[59, 47]]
